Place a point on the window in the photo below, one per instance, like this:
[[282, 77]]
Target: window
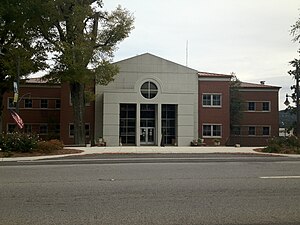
[[71, 130], [168, 129], [251, 106], [266, 106], [128, 124], [11, 103], [44, 103], [44, 129], [28, 103], [87, 130], [236, 131], [251, 131], [149, 90], [211, 131], [211, 100], [266, 131], [28, 128], [11, 128], [57, 103]]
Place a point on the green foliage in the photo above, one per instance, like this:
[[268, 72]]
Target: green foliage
[[82, 38], [285, 145], [295, 31], [236, 102], [18, 142], [20, 55], [48, 146]]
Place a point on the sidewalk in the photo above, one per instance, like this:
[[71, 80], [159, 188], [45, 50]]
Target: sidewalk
[[145, 150]]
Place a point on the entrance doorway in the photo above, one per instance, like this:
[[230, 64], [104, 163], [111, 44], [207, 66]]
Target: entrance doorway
[[147, 124], [147, 135]]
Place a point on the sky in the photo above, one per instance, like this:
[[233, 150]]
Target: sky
[[250, 38]]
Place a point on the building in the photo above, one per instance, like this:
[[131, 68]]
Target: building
[[260, 115], [153, 102], [150, 99], [214, 107], [46, 110], [39, 106]]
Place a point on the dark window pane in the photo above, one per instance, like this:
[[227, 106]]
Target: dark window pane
[[266, 130]]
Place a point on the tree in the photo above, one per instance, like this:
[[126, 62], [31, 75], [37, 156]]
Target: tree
[[236, 102], [82, 38], [19, 54], [295, 73]]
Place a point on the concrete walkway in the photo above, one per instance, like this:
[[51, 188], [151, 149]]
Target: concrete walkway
[[145, 150]]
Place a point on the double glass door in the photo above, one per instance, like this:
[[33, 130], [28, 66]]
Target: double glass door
[[147, 135]]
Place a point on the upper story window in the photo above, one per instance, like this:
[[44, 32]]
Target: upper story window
[[57, 103], [251, 106], [28, 103], [149, 90], [211, 100], [44, 103], [266, 106]]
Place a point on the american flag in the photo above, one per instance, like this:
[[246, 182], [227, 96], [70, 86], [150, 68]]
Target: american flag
[[17, 118]]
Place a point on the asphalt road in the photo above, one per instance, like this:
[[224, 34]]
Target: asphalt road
[[192, 189]]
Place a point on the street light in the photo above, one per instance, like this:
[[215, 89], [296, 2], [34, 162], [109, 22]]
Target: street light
[[287, 102]]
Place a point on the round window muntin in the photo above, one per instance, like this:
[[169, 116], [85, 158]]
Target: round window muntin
[[149, 90]]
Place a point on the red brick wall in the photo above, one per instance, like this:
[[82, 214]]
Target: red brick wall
[[220, 115], [258, 118], [36, 115]]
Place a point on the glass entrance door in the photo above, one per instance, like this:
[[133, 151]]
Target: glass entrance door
[[147, 136]]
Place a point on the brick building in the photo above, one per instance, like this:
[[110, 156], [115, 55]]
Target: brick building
[[150, 100], [260, 115]]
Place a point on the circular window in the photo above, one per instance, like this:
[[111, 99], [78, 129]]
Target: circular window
[[149, 90]]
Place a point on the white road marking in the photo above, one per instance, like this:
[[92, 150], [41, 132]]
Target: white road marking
[[281, 177]]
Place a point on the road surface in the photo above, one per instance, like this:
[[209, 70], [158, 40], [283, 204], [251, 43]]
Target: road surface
[[152, 189]]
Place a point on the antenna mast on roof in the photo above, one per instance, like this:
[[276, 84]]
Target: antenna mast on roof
[[187, 52]]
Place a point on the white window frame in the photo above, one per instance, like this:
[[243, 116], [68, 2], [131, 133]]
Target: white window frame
[[249, 107], [211, 130], [269, 109], [266, 135], [211, 105]]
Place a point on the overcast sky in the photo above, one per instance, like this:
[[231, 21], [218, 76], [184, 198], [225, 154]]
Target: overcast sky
[[248, 37]]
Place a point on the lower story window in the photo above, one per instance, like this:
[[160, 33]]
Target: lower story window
[[251, 131], [266, 131], [11, 128], [71, 130], [28, 128], [43, 129], [211, 130]]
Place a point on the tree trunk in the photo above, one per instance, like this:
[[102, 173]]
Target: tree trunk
[[78, 103]]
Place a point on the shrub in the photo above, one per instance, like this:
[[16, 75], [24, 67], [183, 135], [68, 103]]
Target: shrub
[[283, 145], [48, 146], [18, 142]]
